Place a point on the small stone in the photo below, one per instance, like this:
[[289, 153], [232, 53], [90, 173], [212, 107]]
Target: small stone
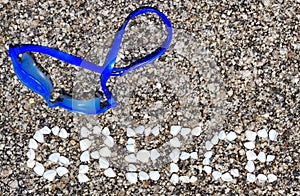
[[62, 171], [63, 134], [85, 144], [154, 175], [175, 130], [174, 155], [33, 144], [130, 132], [83, 178], [45, 130], [85, 156], [261, 157], [105, 131], [251, 135], [196, 131], [55, 130], [226, 177], [147, 131], [261, 178], [139, 130], [39, 169], [64, 161], [231, 136], [49, 175], [103, 163], [184, 179], [208, 154], [174, 168], [208, 145], [174, 179], [222, 135], [273, 135], [143, 156], [96, 130], [30, 154], [235, 172], [131, 158], [251, 177], [270, 158], [185, 131], [84, 132], [214, 140], [174, 142], [131, 177], [154, 154], [30, 163], [193, 179], [272, 177], [132, 167], [249, 145], [194, 155], [54, 157], [251, 156], [250, 167], [207, 169], [262, 133], [105, 152], [38, 136], [109, 141], [206, 161], [143, 175], [109, 172], [155, 131], [184, 156], [95, 155], [83, 169], [216, 175]]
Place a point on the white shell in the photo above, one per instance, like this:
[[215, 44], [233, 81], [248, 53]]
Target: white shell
[[110, 173], [83, 169], [174, 179], [143, 175], [39, 169], [139, 130], [82, 178], [175, 130], [62, 171], [45, 130], [251, 135], [251, 177], [207, 169], [194, 155], [147, 131], [154, 154], [222, 135], [270, 158], [208, 154], [174, 168], [235, 172], [30, 163], [231, 136], [131, 158], [54, 157], [130, 148], [38, 136], [33, 144], [261, 157], [96, 130], [49, 175], [85, 156], [272, 177], [130, 132], [184, 156], [273, 135], [261, 178], [105, 131], [131, 177], [174, 155], [250, 167], [249, 145], [55, 130], [174, 142], [63, 133], [208, 145], [206, 161], [130, 141], [185, 131], [262, 133], [103, 163], [109, 141], [184, 179], [30, 154], [143, 156], [216, 175], [105, 152], [95, 155], [155, 131], [64, 161], [84, 132], [154, 175], [196, 131], [85, 144], [193, 179], [251, 156], [226, 177], [214, 140], [132, 167]]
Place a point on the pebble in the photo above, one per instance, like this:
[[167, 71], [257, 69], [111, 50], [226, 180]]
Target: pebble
[[214, 140], [131, 177], [174, 155], [208, 154], [272, 177], [226, 177], [30, 154], [109, 141], [54, 157], [174, 142], [85, 144], [139, 130], [38, 136], [83, 178], [174, 179], [30, 163], [143, 175], [154, 175], [222, 135], [261, 157], [49, 175], [83, 169], [45, 130], [208, 145], [235, 172], [132, 167], [105, 152], [206, 161], [184, 179], [109, 172], [62, 171], [184, 156], [130, 132], [216, 175], [85, 156], [95, 155], [196, 131], [33, 144], [63, 133], [143, 156], [270, 158], [251, 135], [251, 177], [193, 179], [207, 169], [261, 178], [131, 158], [39, 169], [96, 130], [103, 163], [154, 154], [249, 145], [105, 131], [174, 168], [194, 155], [251, 156], [262, 133], [155, 131], [231, 136], [273, 135], [185, 131], [55, 130], [250, 166], [84, 132]]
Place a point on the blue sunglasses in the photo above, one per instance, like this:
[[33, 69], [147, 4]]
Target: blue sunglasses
[[31, 76]]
